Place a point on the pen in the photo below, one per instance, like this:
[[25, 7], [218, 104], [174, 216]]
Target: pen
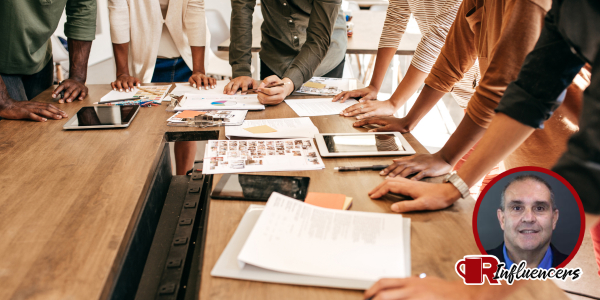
[[267, 87], [364, 168]]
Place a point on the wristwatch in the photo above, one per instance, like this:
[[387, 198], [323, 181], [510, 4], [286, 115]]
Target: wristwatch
[[458, 183]]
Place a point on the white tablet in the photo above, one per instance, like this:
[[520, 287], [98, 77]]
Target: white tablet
[[94, 117], [363, 144]]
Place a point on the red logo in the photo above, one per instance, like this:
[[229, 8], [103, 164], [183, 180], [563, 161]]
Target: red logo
[[476, 267]]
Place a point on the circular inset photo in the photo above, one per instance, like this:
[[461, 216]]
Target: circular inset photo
[[530, 214]]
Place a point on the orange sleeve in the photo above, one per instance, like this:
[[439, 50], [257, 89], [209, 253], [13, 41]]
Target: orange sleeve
[[521, 26], [459, 52]]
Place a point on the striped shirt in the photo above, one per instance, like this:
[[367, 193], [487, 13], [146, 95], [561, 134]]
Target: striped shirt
[[434, 18]]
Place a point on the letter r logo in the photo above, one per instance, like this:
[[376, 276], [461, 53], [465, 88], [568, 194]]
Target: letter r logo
[[476, 267]]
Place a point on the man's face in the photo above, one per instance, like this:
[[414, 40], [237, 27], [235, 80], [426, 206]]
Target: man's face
[[528, 219]]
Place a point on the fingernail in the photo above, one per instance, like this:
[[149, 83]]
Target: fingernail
[[44, 119], [381, 173], [59, 116], [371, 130], [120, 90], [138, 84], [395, 207], [194, 85], [114, 89]]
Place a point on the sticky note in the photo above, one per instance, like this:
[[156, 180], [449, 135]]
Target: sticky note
[[186, 114], [315, 85], [260, 129], [327, 200]]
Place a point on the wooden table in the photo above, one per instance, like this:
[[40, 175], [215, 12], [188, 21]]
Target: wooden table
[[367, 30], [69, 201]]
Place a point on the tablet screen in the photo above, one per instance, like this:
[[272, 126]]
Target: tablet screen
[[375, 142], [105, 115]]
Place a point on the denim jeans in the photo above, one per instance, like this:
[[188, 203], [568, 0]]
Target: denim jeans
[[26, 87], [171, 70]]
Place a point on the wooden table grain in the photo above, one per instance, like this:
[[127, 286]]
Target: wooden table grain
[[365, 39], [69, 199]]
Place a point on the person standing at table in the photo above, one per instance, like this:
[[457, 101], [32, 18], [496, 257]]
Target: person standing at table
[[434, 19], [26, 67], [166, 40], [300, 39]]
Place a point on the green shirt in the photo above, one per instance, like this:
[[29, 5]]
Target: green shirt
[[28, 24], [300, 38]]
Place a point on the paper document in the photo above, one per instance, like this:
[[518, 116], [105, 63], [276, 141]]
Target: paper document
[[227, 117], [318, 106], [294, 237], [155, 93], [220, 101], [285, 128], [183, 88], [261, 156], [327, 86]]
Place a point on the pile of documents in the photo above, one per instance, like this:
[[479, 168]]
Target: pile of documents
[[261, 156], [297, 243]]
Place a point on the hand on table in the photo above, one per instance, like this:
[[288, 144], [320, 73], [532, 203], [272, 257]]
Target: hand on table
[[427, 196], [401, 125], [125, 83], [36, 111], [428, 288], [369, 108], [72, 88], [366, 93], [242, 82], [198, 80], [274, 95], [425, 165]]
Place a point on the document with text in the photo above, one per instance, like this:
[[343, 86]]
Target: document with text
[[294, 237], [318, 106]]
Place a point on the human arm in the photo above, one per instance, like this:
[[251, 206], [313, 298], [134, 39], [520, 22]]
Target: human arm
[[195, 26], [240, 55], [396, 19], [16, 110], [318, 38], [526, 103], [80, 30]]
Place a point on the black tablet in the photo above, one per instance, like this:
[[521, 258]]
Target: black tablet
[[259, 187], [94, 117]]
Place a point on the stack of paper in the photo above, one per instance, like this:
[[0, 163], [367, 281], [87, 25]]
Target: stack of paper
[[327, 86], [274, 129], [318, 106], [261, 156], [228, 117], [155, 93], [298, 238]]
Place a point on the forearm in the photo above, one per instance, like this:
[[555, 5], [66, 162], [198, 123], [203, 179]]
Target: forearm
[[79, 53], [121, 52], [502, 138], [411, 82], [464, 138], [240, 56], [384, 57], [426, 100], [198, 59]]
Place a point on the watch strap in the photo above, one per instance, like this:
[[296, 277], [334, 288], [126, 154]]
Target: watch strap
[[462, 187]]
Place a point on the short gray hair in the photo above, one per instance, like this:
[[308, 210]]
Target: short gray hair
[[524, 178]]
